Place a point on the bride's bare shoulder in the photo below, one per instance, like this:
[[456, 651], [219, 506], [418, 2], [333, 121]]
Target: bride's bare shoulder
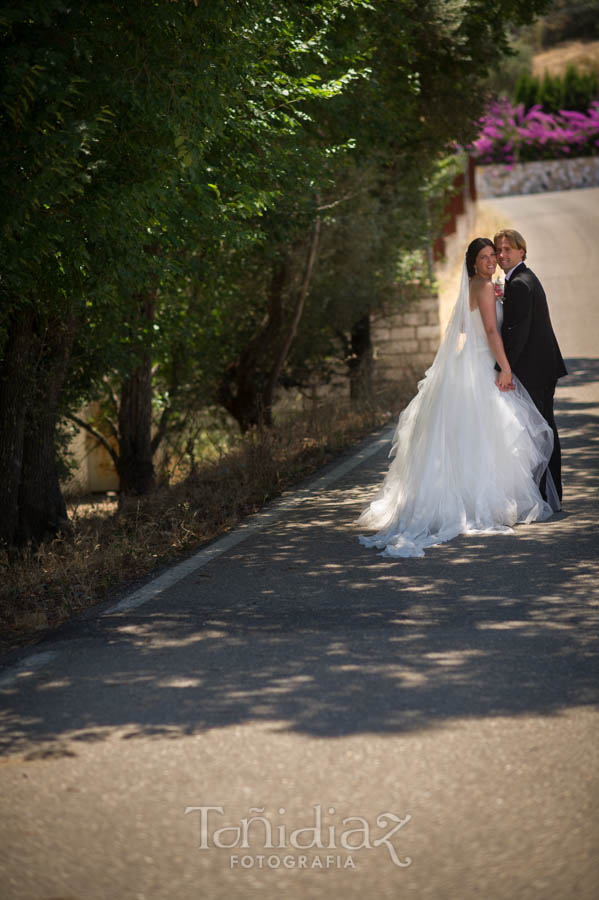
[[480, 289]]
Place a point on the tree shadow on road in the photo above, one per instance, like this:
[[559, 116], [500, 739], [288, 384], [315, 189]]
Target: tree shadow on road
[[305, 631]]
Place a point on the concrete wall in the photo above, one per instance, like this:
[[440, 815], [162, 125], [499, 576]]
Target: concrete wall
[[95, 469]]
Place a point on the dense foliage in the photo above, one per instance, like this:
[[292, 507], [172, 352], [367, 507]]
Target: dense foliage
[[574, 91], [203, 199], [568, 20]]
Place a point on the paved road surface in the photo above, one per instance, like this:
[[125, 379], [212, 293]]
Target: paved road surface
[[447, 704]]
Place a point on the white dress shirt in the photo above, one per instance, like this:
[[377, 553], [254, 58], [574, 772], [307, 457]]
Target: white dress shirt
[[508, 275]]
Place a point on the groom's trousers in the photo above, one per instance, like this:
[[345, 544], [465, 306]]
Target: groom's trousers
[[542, 397]]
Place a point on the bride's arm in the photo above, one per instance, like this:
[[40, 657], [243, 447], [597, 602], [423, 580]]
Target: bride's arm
[[486, 304]]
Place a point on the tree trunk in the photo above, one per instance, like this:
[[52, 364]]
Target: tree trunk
[[135, 466], [42, 510], [299, 308], [16, 376], [360, 365], [31, 379], [247, 390], [242, 388]]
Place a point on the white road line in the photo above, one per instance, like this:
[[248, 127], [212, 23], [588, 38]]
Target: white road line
[[252, 525]]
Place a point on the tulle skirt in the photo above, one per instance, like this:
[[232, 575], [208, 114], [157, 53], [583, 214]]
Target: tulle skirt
[[466, 460]]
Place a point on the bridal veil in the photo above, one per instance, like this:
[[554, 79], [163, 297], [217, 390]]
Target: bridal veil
[[466, 458]]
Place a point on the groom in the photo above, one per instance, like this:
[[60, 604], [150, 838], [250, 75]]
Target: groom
[[530, 344]]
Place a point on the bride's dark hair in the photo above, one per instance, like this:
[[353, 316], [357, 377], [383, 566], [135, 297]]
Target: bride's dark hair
[[472, 252]]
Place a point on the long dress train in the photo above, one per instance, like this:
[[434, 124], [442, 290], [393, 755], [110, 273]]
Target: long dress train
[[468, 458]]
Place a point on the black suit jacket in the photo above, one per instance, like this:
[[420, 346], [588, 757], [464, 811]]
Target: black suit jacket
[[530, 344]]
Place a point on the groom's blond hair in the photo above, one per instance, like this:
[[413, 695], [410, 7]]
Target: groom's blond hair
[[514, 237]]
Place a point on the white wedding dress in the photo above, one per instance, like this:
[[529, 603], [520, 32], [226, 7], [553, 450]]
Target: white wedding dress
[[468, 458]]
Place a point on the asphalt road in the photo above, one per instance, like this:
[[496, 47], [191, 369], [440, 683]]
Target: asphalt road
[[443, 710]]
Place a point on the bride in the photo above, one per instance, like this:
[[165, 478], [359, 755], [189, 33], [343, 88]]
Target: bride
[[470, 448]]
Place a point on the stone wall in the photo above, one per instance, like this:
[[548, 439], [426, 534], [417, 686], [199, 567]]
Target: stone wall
[[405, 342], [536, 177]]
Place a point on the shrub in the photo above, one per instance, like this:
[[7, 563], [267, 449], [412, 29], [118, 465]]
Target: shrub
[[509, 134], [573, 91], [580, 89], [526, 90]]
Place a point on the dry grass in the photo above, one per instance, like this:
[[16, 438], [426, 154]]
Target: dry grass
[[582, 54], [111, 548]]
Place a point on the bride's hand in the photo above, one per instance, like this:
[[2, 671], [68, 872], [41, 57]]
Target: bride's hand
[[504, 381]]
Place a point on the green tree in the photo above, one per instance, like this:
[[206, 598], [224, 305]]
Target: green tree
[[166, 168], [422, 60], [95, 97]]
